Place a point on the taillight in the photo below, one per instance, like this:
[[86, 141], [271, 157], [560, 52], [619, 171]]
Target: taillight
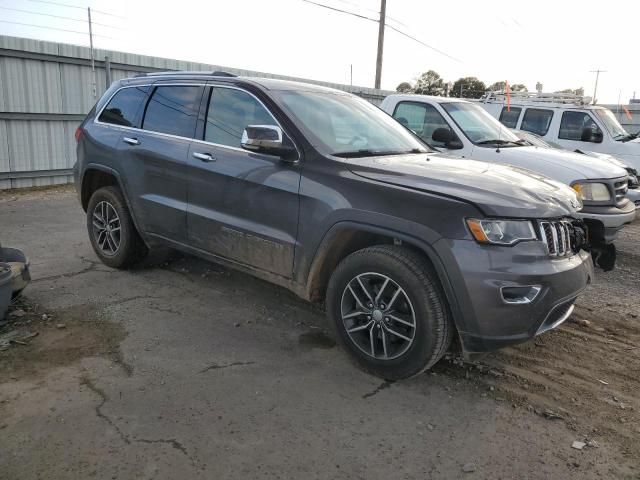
[[78, 133]]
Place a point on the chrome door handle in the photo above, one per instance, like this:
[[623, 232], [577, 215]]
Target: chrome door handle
[[131, 141], [205, 157]]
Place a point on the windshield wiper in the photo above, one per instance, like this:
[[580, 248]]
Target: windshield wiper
[[365, 152], [625, 138], [499, 142]]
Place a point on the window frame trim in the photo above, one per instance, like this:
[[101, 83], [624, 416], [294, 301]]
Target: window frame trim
[[204, 84], [538, 110], [106, 104], [576, 111]]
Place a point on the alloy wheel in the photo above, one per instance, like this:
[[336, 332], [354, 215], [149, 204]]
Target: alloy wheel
[[106, 228]]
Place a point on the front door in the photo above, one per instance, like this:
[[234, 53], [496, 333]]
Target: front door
[[243, 206]]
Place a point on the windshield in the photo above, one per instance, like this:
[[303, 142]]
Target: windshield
[[344, 125], [532, 138], [611, 123], [479, 126]]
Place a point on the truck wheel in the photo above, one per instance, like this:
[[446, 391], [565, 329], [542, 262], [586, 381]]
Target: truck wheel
[[389, 312], [113, 235]]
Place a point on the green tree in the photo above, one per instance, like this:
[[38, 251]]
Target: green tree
[[500, 86], [429, 83], [404, 87], [468, 87]]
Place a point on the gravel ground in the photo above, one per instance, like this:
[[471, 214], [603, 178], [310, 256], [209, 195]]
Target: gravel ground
[[183, 369]]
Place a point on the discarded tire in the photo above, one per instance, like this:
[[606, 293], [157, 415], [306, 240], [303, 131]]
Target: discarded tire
[[5, 290]]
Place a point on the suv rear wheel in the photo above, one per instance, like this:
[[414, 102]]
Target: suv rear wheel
[[113, 235], [389, 312]]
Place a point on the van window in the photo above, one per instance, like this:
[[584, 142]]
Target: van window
[[537, 121], [510, 118], [124, 106], [173, 110], [230, 112], [422, 118], [573, 123]]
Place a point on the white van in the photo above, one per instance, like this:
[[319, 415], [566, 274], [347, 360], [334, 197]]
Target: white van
[[567, 120], [465, 129]]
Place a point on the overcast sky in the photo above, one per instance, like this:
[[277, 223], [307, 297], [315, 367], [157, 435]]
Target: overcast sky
[[550, 41]]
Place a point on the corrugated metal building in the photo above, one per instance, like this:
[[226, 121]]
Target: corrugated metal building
[[46, 89]]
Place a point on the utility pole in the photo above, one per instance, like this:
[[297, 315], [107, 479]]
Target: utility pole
[[351, 74], [93, 61], [595, 89], [383, 14]]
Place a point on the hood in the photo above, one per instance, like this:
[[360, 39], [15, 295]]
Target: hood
[[563, 166], [496, 190], [602, 156]]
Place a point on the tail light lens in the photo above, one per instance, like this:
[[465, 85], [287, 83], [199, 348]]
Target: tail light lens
[[78, 133]]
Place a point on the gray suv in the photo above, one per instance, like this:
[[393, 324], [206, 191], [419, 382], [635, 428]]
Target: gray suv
[[323, 193]]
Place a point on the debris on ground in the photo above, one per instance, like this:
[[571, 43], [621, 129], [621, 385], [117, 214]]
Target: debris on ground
[[60, 325], [18, 337], [468, 468], [578, 445]]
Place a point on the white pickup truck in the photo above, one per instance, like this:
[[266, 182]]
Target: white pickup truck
[[568, 120], [465, 129]]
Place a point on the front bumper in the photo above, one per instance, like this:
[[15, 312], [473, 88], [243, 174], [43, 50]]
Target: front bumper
[[633, 194], [485, 320], [605, 222]]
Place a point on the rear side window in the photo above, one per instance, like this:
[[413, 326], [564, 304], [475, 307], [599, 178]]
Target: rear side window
[[124, 106], [573, 124], [423, 119], [173, 110], [537, 121], [230, 112], [510, 118]]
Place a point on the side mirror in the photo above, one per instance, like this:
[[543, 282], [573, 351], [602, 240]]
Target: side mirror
[[589, 135], [267, 139], [446, 136]]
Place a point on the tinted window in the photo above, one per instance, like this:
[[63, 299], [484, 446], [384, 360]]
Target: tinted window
[[229, 113], [124, 107], [510, 118], [573, 123], [422, 118], [537, 121], [173, 110]]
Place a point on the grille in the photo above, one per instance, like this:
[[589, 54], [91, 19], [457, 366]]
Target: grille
[[556, 235], [620, 189]]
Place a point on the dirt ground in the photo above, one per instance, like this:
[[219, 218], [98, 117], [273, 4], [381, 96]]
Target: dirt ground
[[184, 369]]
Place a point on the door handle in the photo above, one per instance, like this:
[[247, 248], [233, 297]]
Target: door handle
[[131, 141], [205, 157]]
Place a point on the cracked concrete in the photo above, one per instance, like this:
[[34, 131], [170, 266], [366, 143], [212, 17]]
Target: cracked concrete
[[275, 398]]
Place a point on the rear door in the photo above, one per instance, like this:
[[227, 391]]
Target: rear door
[[243, 206], [154, 158]]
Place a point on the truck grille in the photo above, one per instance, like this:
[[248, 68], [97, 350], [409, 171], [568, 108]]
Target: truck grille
[[620, 188], [556, 234]]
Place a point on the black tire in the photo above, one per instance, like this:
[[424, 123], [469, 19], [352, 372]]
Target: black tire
[[425, 303], [130, 247]]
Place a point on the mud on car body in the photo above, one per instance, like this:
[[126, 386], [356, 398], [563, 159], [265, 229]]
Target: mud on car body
[[321, 192]]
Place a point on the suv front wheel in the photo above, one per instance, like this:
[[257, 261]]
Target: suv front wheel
[[113, 235], [389, 312]]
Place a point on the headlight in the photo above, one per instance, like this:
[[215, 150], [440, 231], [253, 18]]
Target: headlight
[[501, 232], [592, 192]]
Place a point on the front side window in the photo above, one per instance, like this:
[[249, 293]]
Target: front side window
[[573, 124], [537, 121], [173, 110], [344, 125], [509, 116], [230, 112], [124, 106], [479, 126], [423, 119]]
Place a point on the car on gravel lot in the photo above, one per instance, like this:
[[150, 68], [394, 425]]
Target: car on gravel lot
[[323, 193]]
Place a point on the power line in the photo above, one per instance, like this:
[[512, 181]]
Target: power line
[[54, 28], [75, 6], [57, 16], [353, 4], [364, 17], [424, 44]]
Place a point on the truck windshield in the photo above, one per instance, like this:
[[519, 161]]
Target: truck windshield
[[347, 126], [480, 127], [611, 123]]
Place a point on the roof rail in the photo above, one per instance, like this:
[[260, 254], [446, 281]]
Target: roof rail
[[567, 98], [216, 73]]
